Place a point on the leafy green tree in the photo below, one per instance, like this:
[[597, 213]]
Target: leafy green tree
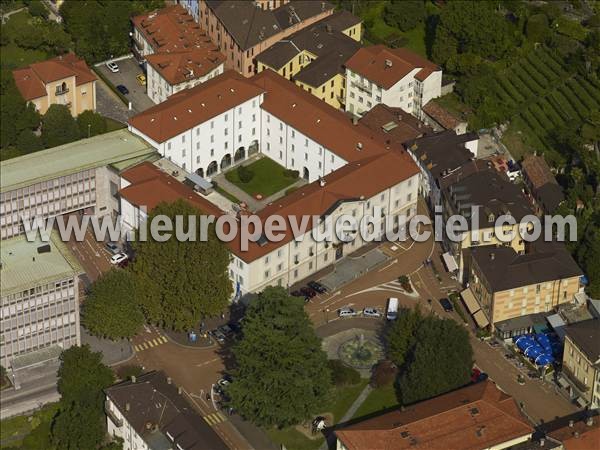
[[111, 309], [440, 361], [282, 374], [400, 337], [58, 126], [80, 421], [28, 142], [90, 124], [537, 28], [459, 31], [37, 9], [405, 14], [187, 281]]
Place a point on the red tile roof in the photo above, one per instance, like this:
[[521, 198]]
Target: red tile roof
[[476, 417], [580, 436], [316, 119], [151, 186], [191, 107], [370, 62], [441, 115], [31, 80], [178, 67]]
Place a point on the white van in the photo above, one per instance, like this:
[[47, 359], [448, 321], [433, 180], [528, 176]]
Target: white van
[[392, 309]]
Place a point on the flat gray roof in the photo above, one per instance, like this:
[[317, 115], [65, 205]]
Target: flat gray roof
[[23, 267], [98, 151]]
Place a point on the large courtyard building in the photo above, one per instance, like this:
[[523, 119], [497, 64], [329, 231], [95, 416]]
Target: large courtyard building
[[243, 29], [79, 176], [40, 300], [395, 77], [64, 80], [177, 51], [350, 171]]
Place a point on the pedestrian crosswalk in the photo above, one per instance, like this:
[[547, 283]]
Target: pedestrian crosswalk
[[215, 418], [150, 343]]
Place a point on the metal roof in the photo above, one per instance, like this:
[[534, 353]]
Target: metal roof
[[23, 267], [98, 151]]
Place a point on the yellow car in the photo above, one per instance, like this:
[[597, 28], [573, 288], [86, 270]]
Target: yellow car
[[141, 79]]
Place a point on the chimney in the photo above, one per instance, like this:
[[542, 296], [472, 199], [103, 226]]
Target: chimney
[[388, 63], [133, 379], [589, 421], [542, 442], [359, 146], [179, 390], [168, 380], [571, 423], [492, 256], [322, 182], [354, 120], [127, 406], [576, 434]]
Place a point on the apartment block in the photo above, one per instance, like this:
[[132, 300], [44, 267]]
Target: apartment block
[[177, 52], [395, 77], [507, 285], [243, 29], [64, 80], [40, 298], [79, 176], [581, 362], [314, 57]]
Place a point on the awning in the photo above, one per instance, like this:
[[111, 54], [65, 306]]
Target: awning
[[480, 319], [582, 402], [469, 299], [561, 381], [450, 262], [199, 181]]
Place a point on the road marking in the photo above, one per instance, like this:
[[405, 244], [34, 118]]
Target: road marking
[[150, 344], [215, 418], [387, 266]]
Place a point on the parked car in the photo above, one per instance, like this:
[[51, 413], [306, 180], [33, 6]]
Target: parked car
[[346, 312], [226, 330], [118, 258], [477, 375], [317, 287], [113, 248], [141, 78], [308, 292], [218, 335], [297, 294], [446, 304], [112, 66], [371, 312], [223, 382], [122, 89]]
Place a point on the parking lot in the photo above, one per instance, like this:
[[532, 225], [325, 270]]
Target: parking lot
[[129, 69]]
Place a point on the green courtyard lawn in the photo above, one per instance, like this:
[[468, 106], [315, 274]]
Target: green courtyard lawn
[[13, 56], [340, 402], [269, 178], [379, 399], [13, 430]]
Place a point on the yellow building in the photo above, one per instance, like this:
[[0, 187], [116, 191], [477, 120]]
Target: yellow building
[[64, 80], [314, 57], [504, 284], [581, 362]]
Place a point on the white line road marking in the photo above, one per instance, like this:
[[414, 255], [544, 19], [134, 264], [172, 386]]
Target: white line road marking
[[210, 361], [387, 266]]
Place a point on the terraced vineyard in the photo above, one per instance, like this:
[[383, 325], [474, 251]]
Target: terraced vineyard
[[544, 95]]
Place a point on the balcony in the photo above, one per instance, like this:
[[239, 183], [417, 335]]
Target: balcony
[[573, 380], [361, 87], [61, 90], [118, 422]]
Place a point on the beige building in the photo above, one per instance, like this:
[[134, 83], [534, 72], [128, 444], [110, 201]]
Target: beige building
[[581, 362], [243, 29], [64, 80], [505, 285]]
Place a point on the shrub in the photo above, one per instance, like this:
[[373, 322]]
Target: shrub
[[341, 374], [291, 173], [126, 372], [245, 174], [384, 373]]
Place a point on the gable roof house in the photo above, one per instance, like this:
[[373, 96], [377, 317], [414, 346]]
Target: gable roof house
[[546, 193], [64, 80]]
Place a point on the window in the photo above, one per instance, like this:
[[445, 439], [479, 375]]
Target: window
[[168, 146], [198, 159], [409, 197], [279, 253], [378, 98], [279, 267], [239, 138], [280, 126], [332, 158], [253, 131], [253, 117], [280, 154], [198, 131], [226, 131], [240, 124], [306, 157], [360, 100], [183, 153], [306, 142], [183, 138], [212, 138], [267, 259], [293, 133], [352, 95], [226, 145], [212, 152], [267, 273], [225, 117], [240, 110], [369, 104], [212, 125], [293, 148]]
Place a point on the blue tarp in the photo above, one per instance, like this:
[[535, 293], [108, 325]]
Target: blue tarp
[[541, 348]]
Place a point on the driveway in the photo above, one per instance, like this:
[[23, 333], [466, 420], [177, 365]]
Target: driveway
[[128, 70]]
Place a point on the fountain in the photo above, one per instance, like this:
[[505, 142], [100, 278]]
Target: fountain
[[360, 352]]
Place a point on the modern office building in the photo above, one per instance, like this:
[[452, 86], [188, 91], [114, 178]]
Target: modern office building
[[39, 300], [80, 176]]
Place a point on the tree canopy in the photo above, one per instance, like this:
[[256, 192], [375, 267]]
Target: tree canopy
[[59, 126], [90, 124], [179, 283], [111, 309], [100, 28], [282, 374], [80, 422], [405, 14], [434, 355]]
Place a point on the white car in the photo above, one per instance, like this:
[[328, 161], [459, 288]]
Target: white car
[[118, 258], [112, 66], [371, 312], [346, 312]]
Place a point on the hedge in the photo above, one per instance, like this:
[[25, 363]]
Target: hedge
[[581, 94]]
